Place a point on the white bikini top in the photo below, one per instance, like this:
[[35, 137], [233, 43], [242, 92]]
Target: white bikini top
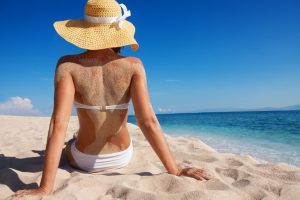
[[111, 107]]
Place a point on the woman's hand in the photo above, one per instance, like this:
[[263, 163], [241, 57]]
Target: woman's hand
[[34, 192], [194, 172]]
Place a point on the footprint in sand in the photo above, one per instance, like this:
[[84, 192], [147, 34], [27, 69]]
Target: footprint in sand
[[234, 162], [231, 173], [216, 184], [241, 183], [209, 159]]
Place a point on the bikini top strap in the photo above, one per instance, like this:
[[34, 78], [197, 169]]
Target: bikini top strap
[[119, 106], [110, 107]]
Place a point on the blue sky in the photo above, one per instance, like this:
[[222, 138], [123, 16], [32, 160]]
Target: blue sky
[[198, 55]]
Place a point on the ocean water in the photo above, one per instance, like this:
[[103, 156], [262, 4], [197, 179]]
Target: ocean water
[[268, 136]]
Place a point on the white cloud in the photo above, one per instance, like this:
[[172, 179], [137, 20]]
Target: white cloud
[[164, 110], [18, 106]]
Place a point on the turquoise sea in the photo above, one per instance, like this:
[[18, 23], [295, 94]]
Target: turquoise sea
[[269, 136]]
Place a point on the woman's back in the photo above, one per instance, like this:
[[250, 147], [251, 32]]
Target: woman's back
[[101, 78]]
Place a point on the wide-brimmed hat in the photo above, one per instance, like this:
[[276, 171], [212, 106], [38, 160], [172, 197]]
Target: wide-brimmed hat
[[103, 27]]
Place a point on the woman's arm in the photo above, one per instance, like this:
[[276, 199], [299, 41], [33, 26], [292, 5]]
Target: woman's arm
[[147, 120], [63, 100], [150, 127]]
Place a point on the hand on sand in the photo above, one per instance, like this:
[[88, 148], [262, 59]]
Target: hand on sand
[[33, 192], [194, 172]]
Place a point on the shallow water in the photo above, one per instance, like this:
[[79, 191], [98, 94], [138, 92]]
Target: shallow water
[[272, 136]]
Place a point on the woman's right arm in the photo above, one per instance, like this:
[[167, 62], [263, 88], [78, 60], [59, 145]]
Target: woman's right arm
[[147, 120], [151, 129]]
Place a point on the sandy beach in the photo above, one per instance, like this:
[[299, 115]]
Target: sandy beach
[[23, 141]]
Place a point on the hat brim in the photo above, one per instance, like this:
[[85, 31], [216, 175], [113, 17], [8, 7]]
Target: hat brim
[[94, 36]]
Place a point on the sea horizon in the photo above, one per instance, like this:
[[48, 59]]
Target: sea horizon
[[237, 111], [165, 113]]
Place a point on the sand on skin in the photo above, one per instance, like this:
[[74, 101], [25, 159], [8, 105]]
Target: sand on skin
[[23, 140]]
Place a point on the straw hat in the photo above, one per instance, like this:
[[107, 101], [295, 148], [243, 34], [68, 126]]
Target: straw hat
[[103, 27]]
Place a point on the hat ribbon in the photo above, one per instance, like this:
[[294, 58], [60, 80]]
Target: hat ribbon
[[118, 20]]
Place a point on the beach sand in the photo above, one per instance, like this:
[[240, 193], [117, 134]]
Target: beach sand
[[23, 141]]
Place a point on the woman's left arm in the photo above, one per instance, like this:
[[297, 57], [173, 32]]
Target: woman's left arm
[[63, 100]]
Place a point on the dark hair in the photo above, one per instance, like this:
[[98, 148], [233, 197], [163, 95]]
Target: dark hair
[[117, 49]]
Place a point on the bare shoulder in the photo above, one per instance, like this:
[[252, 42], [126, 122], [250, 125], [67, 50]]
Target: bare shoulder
[[64, 67], [133, 60], [136, 64], [66, 59], [66, 62]]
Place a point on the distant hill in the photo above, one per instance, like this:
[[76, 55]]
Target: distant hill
[[294, 107]]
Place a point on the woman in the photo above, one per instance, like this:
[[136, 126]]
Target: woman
[[101, 83]]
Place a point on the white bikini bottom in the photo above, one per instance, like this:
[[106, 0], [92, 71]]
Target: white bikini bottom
[[95, 163]]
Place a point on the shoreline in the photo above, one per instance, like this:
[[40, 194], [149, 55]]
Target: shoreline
[[267, 136], [260, 160], [234, 176]]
